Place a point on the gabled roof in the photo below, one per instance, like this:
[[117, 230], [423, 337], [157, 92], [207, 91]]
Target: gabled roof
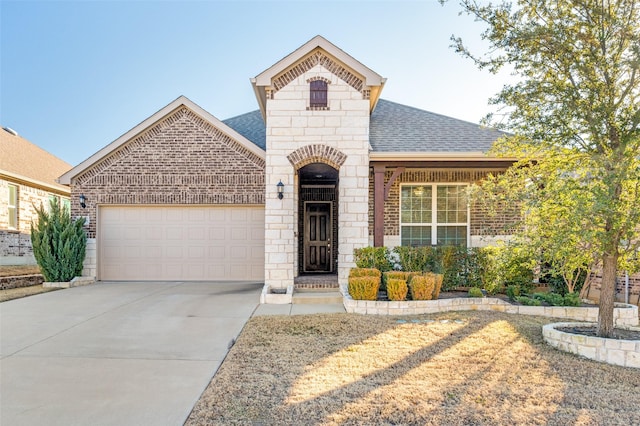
[[396, 129], [263, 81], [24, 161], [150, 122]]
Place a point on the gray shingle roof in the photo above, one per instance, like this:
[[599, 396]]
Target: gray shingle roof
[[397, 128], [400, 128], [251, 126]]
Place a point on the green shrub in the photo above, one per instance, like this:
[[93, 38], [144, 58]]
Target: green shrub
[[422, 287], [58, 242], [528, 301], [513, 291], [554, 299], [475, 292], [364, 288], [397, 289], [364, 272], [572, 299], [418, 259], [373, 257]]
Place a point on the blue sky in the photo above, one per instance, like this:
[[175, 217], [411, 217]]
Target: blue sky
[[75, 75]]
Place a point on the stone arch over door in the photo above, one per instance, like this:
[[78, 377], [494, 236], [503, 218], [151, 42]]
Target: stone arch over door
[[316, 154]]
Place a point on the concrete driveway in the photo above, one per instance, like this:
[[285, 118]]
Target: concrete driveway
[[116, 353]]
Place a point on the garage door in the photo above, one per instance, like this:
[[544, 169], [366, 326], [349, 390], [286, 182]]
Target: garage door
[[170, 243]]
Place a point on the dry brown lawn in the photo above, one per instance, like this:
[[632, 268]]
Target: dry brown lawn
[[10, 271], [459, 368], [17, 293]]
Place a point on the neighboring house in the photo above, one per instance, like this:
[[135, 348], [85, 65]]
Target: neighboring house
[[324, 166], [27, 180]]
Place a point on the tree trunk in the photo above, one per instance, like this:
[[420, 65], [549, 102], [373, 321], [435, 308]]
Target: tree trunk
[[607, 295]]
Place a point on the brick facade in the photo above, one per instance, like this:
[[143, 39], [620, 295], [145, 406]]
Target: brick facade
[[15, 244], [180, 160], [480, 223], [593, 291]]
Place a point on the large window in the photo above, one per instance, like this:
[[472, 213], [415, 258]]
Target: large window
[[433, 214], [13, 207]]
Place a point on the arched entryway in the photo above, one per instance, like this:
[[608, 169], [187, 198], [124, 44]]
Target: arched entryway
[[317, 219]]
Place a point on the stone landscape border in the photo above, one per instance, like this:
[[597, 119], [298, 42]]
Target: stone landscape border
[[623, 314], [625, 353]]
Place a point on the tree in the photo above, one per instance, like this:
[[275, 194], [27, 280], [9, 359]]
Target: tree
[[58, 242], [575, 114]]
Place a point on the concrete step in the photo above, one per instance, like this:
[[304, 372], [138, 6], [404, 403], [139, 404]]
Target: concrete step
[[317, 298]]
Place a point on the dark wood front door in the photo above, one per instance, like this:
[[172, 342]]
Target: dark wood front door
[[317, 237]]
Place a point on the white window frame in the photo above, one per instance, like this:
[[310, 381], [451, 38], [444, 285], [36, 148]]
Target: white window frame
[[12, 209], [434, 224]]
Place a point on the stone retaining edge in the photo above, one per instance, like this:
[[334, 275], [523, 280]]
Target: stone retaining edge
[[625, 353], [623, 314]]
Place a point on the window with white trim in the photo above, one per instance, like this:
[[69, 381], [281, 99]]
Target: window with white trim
[[13, 207], [434, 214]]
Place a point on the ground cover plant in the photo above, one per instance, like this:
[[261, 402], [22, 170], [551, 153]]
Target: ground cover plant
[[457, 368]]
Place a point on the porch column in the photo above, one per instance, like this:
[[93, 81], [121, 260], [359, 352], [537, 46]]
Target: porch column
[[378, 205]]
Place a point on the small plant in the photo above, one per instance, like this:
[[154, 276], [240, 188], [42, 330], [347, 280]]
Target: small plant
[[397, 289], [438, 285], [572, 299], [392, 275], [364, 272], [475, 292], [513, 291], [422, 287], [528, 301], [364, 288]]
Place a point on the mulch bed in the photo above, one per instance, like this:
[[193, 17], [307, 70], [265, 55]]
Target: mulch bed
[[618, 333]]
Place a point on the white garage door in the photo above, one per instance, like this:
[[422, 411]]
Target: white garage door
[[170, 243]]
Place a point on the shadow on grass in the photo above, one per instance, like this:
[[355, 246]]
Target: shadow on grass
[[453, 368]]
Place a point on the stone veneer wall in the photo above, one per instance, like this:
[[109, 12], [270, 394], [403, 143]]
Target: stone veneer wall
[[15, 244], [181, 160], [291, 125], [481, 225]]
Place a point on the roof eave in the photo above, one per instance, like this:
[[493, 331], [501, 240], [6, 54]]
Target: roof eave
[[61, 189], [439, 156]]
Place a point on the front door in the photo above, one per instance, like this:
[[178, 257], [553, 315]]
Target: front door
[[317, 236]]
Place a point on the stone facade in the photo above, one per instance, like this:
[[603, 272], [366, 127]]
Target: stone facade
[[480, 224], [342, 127], [15, 244], [182, 160]]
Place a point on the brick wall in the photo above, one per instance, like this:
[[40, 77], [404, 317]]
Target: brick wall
[[634, 288], [480, 223], [15, 244], [181, 160]]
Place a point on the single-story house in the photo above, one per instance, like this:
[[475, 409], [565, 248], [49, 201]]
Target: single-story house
[[322, 167], [28, 179]]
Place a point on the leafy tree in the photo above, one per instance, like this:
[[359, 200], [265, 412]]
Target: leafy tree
[[575, 114], [58, 242]]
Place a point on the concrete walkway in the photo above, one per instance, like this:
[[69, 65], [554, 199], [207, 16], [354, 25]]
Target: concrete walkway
[[116, 353]]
